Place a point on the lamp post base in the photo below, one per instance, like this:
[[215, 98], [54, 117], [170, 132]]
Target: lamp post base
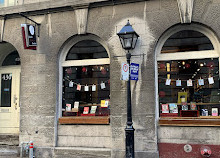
[[129, 131]]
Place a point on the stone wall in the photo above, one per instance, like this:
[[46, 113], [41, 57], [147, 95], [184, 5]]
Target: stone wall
[[40, 76], [204, 13]]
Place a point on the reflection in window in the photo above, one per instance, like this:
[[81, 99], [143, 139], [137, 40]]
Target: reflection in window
[[189, 69], [189, 81], [87, 49], [6, 3], [187, 40], [2, 3], [11, 2], [6, 90], [91, 76], [12, 59]]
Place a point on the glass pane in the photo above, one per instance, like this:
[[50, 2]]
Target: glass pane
[[6, 90], [2, 3], [187, 40], [85, 76], [191, 81], [12, 59], [128, 43], [11, 2], [87, 49]]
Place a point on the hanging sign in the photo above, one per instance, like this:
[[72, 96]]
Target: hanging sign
[[29, 36], [124, 71], [134, 71]]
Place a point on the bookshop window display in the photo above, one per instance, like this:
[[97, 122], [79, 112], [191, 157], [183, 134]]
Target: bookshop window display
[[188, 88], [86, 84]]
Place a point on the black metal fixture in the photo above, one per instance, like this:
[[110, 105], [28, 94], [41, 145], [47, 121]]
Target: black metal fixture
[[38, 24], [128, 38]]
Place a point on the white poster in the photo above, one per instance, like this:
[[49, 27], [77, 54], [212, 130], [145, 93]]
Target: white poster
[[124, 71], [78, 87], [86, 88], [168, 81], [211, 80], [102, 85], [189, 83], [93, 88], [201, 82], [70, 84], [178, 83]]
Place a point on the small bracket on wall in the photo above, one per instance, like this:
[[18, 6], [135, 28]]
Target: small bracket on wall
[[138, 55], [38, 24], [2, 28], [185, 10]]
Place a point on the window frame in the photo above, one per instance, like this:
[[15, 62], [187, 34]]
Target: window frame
[[84, 62], [185, 56], [6, 3]]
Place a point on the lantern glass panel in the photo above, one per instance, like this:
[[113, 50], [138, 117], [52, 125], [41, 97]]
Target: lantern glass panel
[[134, 41]]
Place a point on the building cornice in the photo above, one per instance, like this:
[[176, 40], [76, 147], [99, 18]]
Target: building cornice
[[55, 6]]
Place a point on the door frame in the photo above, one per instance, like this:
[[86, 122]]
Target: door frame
[[15, 100]]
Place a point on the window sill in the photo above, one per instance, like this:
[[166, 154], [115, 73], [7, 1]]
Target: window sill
[[98, 120], [190, 121]]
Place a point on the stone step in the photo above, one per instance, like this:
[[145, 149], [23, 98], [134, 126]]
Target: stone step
[[77, 152], [11, 140], [8, 151]]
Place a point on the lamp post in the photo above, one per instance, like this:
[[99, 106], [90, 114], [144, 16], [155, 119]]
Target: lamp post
[[128, 38]]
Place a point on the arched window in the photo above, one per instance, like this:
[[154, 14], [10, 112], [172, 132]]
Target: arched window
[[85, 80], [187, 40], [12, 59], [188, 74]]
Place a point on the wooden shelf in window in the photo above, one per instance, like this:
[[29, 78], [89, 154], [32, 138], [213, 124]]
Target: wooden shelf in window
[[201, 103], [90, 105], [98, 120], [190, 121]]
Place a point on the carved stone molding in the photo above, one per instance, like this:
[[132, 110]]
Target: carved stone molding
[[2, 29], [81, 20], [185, 10]]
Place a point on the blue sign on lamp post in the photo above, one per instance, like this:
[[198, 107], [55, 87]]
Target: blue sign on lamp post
[[134, 71]]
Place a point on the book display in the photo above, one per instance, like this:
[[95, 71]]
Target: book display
[[193, 89], [193, 106], [204, 112], [86, 110], [68, 107], [173, 108], [214, 111], [184, 106], [86, 91], [94, 109], [165, 108]]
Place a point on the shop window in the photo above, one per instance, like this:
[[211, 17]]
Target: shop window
[[188, 86], [187, 40], [6, 3], [86, 84], [2, 3]]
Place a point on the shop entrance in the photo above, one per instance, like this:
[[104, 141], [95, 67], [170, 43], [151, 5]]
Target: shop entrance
[[9, 89], [9, 99]]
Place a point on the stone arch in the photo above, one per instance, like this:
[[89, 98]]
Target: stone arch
[[6, 49], [194, 27], [77, 38]]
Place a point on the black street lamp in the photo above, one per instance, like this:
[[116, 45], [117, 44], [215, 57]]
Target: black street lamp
[[128, 38]]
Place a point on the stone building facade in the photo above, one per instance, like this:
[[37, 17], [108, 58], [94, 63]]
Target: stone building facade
[[37, 102]]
